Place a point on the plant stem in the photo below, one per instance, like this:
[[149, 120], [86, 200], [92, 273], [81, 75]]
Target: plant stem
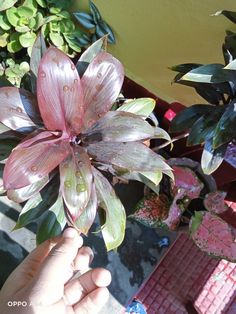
[[174, 139]]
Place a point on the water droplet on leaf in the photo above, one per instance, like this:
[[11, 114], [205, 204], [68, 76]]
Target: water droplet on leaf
[[73, 67], [67, 184], [18, 109], [99, 75], [72, 89], [80, 188], [75, 81], [65, 88], [34, 168], [42, 74]]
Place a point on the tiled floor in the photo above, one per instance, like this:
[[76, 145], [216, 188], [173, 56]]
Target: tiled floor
[[186, 275]]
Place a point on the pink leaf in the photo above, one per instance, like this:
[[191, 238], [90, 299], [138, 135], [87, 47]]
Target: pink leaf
[[76, 181], [101, 85], [59, 92], [187, 179], [118, 126], [215, 202], [213, 235], [19, 109], [133, 156], [27, 165], [23, 194], [86, 219], [177, 208]]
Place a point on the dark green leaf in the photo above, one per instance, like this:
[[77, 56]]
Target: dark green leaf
[[229, 48], [113, 230], [185, 119], [185, 67], [84, 40], [210, 73], [95, 12], [225, 130], [204, 128], [6, 146], [37, 205], [212, 158], [229, 14], [53, 222], [4, 24], [85, 19], [102, 29]]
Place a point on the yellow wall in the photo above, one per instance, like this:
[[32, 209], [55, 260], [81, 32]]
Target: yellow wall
[[155, 34]]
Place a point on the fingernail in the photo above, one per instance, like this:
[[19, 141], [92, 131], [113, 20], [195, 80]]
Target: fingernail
[[69, 233]]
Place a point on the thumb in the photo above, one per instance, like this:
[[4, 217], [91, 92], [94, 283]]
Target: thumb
[[57, 268]]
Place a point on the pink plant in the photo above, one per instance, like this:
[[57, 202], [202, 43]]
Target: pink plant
[[76, 132]]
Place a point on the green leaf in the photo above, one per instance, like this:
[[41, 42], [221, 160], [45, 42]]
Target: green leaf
[[14, 44], [56, 39], [67, 26], [4, 24], [229, 47], [53, 222], [229, 14], [6, 4], [39, 21], [27, 39], [72, 42], [95, 12], [42, 3], [204, 128], [185, 67], [212, 158], [84, 19], [185, 119], [13, 16], [84, 40], [54, 10], [154, 176], [24, 11], [113, 230], [4, 39], [140, 106], [225, 130], [210, 73], [38, 204]]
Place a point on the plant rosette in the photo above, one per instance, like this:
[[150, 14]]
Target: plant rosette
[[70, 139]]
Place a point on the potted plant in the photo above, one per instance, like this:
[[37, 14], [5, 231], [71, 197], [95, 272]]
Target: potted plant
[[66, 139], [190, 204], [21, 21]]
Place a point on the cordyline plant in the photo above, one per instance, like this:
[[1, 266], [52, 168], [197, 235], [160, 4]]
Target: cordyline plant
[[69, 137], [212, 124], [186, 205]]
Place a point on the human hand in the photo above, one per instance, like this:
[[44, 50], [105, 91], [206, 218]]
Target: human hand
[[43, 283]]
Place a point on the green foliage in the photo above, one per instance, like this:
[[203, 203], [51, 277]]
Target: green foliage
[[213, 124], [95, 24], [21, 22]]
